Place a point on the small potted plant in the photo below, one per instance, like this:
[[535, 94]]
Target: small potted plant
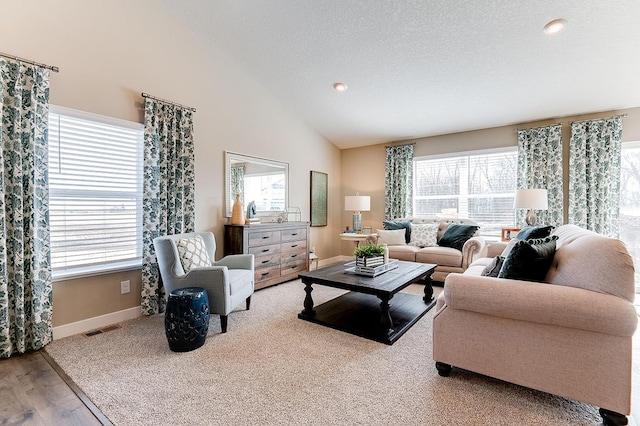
[[369, 256]]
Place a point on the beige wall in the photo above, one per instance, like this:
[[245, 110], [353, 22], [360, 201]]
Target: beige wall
[[363, 168], [108, 53]]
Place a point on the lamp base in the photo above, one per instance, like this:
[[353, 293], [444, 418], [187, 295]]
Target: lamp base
[[357, 222], [531, 218]]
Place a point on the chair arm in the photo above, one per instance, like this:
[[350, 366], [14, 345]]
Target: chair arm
[[237, 261], [542, 303], [196, 277], [470, 249]]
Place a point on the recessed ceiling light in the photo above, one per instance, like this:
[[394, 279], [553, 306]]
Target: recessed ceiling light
[[340, 87], [555, 26]]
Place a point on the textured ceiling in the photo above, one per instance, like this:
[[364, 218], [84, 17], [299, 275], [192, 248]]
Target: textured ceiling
[[423, 68]]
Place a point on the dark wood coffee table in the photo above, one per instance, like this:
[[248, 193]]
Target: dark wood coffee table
[[367, 310]]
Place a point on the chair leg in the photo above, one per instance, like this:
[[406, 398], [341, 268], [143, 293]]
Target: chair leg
[[248, 302], [224, 320]]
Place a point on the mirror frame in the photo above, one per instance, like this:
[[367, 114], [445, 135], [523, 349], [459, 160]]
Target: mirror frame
[[232, 156]]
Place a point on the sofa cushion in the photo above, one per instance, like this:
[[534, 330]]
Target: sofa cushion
[[456, 235], [193, 253], [441, 256], [534, 232], [403, 252], [424, 235], [391, 237], [493, 268], [399, 224], [529, 260]]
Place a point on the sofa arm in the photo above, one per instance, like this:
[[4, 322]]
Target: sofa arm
[[541, 303], [471, 248]]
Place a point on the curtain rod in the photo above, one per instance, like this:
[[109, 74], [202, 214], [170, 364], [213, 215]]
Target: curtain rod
[[404, 144], [49, 67], [146, 95], [609, 118], [539, 127]]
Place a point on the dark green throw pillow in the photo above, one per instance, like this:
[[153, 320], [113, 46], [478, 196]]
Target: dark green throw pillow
[[534, 232], [493, 268], [529, 260], [399, 224], [456, 235]]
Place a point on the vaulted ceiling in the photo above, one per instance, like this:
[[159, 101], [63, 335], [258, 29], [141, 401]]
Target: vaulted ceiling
[[422, 68]]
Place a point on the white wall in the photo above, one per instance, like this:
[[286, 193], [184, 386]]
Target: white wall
[[108, 53]]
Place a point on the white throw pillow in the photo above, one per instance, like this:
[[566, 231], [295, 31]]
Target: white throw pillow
[[193, 253], [424, 234], [391, 237]]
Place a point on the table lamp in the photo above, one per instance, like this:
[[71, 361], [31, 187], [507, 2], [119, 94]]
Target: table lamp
[[532, 199], [357, 203]]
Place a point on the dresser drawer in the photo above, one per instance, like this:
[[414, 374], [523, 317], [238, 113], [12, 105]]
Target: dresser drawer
[[292, 256], [267, 260], [293, 267], [265, 250], [262, 238], [294, 234], [267, 273], [294, 246]]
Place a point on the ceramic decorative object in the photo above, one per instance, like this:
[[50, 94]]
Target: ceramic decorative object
[[237, 214]]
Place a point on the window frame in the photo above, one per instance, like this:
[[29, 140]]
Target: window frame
[[103, 268], [463, 191]]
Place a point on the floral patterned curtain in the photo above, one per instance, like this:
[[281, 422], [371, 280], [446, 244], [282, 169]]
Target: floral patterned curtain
[[594, 175], [25, 260], [168, 188], [398, 194], [237, 183], [540, 166]]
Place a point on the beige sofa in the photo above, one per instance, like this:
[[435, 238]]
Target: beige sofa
[[448, 259], [571, 336]]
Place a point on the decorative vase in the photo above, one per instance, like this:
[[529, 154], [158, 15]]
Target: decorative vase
[[237, 214]]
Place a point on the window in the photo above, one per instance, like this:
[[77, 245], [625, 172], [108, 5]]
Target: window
[[478, 185], [630, 203], [95, 193]]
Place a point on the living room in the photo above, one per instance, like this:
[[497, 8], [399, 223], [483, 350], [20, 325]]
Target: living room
[[110, 52]]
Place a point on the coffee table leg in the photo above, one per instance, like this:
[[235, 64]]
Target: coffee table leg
[[308, 300], [385, 320], [428, 289]]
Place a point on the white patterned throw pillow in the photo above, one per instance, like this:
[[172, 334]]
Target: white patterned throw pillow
[[424, 234], [193, 253]]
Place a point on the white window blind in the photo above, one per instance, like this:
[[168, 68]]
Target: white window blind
[[479, 186], [95, 193]]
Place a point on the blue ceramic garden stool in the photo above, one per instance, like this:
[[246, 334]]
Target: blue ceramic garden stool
[[186, 320]]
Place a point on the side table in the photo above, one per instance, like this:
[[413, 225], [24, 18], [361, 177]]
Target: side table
[[186, 319]]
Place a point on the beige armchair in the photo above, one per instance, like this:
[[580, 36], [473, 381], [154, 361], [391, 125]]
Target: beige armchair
[[229, 281]]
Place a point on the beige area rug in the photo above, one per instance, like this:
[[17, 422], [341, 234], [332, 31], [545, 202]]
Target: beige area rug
[[272, 368]]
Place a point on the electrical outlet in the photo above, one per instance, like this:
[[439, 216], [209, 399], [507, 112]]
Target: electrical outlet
[[125, 287]]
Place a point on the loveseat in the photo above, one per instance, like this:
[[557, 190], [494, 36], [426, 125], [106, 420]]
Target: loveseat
[[448, 259], [570, 335]]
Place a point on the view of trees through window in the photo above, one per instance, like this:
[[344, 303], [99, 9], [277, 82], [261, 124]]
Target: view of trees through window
[[630, 203], [477, 186]]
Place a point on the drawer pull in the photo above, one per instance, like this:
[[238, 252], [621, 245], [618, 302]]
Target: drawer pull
[[264, 237], [265, 250], [264, 274], [265, 261], [294, 245], [294, 234], [293, 267], [294, 255]]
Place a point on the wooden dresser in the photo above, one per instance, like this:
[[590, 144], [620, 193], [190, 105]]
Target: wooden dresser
[[281, 250]]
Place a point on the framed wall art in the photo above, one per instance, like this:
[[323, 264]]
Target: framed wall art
[[319, 198]]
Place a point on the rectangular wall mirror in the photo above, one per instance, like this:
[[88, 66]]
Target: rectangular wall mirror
[[265, 182]]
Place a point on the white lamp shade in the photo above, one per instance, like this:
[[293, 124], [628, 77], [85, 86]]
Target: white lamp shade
[[357, 203], [534, 199]]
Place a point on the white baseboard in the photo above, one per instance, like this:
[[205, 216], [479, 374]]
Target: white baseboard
[[95, 322]]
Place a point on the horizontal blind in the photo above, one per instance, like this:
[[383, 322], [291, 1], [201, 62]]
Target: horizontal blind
[[477, 186], [95, 193]]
